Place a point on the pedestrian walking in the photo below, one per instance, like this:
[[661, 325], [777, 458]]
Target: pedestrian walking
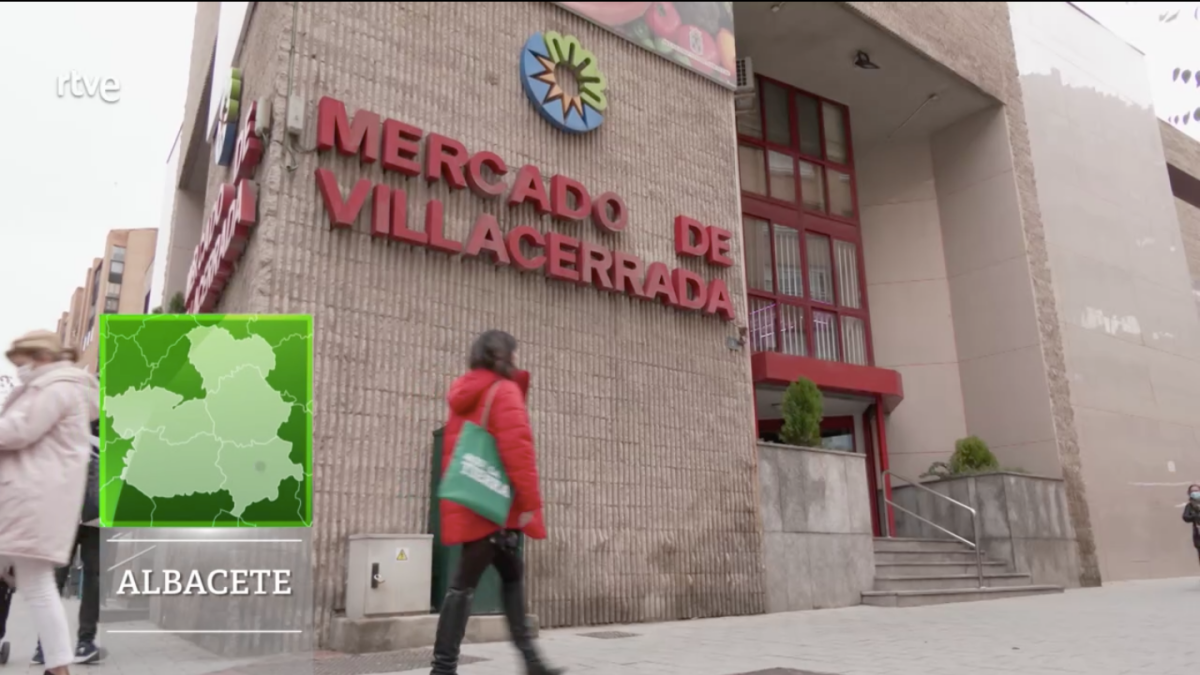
[[1191, 514], [490, 400], [87, 543], [44, 459], [6, 594]]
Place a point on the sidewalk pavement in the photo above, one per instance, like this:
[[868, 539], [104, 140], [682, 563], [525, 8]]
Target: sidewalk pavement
[[1138, 628]]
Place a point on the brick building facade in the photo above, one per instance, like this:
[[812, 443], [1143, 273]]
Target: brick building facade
[[646, 416]]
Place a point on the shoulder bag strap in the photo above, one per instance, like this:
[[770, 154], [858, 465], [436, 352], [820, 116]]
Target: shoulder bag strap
[[487, 404]]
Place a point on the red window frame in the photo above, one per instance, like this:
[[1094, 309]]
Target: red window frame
[[795, 215]]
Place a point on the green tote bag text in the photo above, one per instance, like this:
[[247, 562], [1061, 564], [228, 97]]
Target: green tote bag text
[[476, 478]]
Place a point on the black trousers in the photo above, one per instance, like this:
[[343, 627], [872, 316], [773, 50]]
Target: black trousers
[[6, 594], [499, 550], [87, 541]]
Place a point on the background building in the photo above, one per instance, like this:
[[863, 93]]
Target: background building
[[117, 283], [955, 218], [159, 296]]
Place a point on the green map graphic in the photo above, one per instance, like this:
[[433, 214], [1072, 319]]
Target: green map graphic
[[206, 420]]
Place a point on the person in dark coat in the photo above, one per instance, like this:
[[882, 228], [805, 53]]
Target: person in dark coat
[[6, 594], [493, 376], [1191, 514]]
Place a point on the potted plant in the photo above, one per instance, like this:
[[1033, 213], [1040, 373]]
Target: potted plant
[[971, 457], [803, 406]]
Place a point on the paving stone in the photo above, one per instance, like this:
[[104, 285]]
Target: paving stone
[[782, 671], [1140, 628], [608, 635]]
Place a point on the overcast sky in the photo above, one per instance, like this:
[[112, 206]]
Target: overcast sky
[[78, 168], [1166, 46]]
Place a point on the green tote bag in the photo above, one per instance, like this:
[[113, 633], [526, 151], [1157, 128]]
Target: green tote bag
[[476, 478]]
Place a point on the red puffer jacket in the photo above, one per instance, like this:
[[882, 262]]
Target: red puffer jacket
[[508, 422]]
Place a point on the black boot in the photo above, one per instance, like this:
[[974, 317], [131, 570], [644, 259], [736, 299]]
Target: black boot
[[513, 596], [452, 625]]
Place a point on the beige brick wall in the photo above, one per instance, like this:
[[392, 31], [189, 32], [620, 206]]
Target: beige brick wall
[[643, 416], [974, 40]]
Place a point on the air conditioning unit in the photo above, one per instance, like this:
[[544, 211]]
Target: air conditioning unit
[[745, 100]]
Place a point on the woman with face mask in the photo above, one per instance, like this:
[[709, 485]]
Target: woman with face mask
[[1191, 514], [44, 441]]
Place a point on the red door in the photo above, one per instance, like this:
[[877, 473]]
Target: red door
[[872, 470]]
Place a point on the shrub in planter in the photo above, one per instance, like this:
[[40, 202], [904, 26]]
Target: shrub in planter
[[803, 407], [971, 456]]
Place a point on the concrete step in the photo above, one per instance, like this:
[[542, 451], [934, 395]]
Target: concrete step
[[950, 581], [967, 556], [116, 610], [935, 569], [124, 614], [884, 544], [949, 595]]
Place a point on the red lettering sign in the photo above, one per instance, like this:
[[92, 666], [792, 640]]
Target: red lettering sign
[[595, 266], [562, 257], [718, 247], [479, 183], [718, 300], [435, 228], [609, 213], [558, 256], [342, 212], [227, 228], [525, 235], [249, 149], [690, 289], [569, 200], [627, 275], [242, 216], [400, 231], [401, 144], [529, 188], [486, 236], [691, 239], [335, 131], [445, 159], [381, 212], [658, 285]]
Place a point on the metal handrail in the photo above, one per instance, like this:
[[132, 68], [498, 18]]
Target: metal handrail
[[974, 519]]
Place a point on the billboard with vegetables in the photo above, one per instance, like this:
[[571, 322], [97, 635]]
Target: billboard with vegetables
[[698, 35]]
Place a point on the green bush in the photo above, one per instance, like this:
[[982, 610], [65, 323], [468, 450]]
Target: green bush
[[177, 305], [971, 455], [803, 406]]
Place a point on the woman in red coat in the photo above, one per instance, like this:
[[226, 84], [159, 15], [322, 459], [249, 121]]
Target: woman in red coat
[[493, 384]]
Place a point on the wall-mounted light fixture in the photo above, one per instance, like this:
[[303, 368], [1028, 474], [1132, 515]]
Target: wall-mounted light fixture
[[777, 6], [863, 60]]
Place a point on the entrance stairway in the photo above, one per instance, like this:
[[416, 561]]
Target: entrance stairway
[[917, 572]]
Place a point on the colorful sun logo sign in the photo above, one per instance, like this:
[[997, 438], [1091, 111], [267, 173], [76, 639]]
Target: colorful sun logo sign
[[547, 61]]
